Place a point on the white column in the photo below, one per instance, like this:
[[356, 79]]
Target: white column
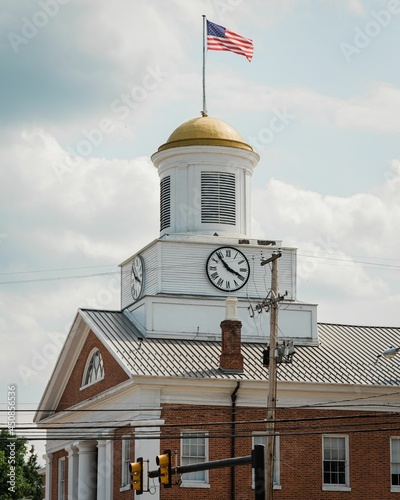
[[49, 474], [102, 470], [73, 470], [110, 464], [87, 475]]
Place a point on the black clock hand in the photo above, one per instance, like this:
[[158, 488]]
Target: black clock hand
[[227, 267], [136, 277]]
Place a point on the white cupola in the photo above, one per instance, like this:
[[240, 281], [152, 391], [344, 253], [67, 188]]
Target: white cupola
[[205, 170]]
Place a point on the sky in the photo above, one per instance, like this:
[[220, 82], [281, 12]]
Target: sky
[[90, 89]]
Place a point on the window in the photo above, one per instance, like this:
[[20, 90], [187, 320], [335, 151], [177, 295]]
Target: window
[[94, 369], [335, 462], [126, 459], [395, 463], [194, 450], [263, 440], [61, 479], [218, 198]]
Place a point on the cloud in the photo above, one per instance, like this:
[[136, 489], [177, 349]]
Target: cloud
[[357, 7], [347, 245], [64, 204], [376, 110]]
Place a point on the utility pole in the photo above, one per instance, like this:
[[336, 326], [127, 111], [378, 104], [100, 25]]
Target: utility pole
[[271, 404]]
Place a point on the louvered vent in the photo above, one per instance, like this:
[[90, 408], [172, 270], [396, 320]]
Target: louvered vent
[[165, 203], [218, 198]]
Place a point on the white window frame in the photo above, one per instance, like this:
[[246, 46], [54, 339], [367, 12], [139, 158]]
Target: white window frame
[[61, 479], [125, 461], [258, 439], [394, 488], [87, 365], [195, 483], [346, 485]]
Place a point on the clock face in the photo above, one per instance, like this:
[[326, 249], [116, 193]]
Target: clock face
[[228, 269], [137, 277]]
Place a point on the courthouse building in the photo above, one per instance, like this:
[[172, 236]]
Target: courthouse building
[[180, 367]]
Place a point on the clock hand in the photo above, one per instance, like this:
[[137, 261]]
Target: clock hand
[[227, 267], [136, 278]]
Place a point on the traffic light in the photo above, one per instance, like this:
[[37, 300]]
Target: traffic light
[[164, 463], [136, 471]]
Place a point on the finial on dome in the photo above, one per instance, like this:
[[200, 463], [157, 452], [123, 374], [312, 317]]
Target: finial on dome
[[204, 113]]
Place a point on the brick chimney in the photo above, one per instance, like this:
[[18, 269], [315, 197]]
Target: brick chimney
[[231, 358]]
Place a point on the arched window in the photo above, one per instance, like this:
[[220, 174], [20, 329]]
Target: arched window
[[94, 369]]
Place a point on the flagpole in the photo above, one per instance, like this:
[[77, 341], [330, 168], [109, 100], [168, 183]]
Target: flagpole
[[204, 112]]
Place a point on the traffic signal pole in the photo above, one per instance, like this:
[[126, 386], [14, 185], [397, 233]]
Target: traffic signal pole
[[216, 464], [256, 459]]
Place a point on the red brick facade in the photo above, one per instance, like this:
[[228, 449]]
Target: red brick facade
[[301, 457], [117, 477], [113, 375], [54, 485], [300, 452]]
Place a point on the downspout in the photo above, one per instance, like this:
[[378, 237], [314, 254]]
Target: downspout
[[233, 437]]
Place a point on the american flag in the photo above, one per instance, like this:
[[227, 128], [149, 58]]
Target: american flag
[[219, 38]]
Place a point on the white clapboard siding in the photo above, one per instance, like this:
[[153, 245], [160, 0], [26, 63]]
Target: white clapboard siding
[[179, 268]]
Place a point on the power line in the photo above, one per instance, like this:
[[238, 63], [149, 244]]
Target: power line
[[58, 278], [346, 260], [57, 269]]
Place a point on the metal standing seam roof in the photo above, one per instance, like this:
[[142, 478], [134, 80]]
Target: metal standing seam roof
[[346, 354]]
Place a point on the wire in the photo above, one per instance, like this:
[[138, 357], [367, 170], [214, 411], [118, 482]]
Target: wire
[[58, 278], [57, 269], [345, 260]]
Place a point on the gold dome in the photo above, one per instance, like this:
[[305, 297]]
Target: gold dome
[[205, 131]]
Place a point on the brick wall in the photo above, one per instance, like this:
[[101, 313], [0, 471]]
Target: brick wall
[[301, 433], [117, 479], [54, 484], [113, 375]]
